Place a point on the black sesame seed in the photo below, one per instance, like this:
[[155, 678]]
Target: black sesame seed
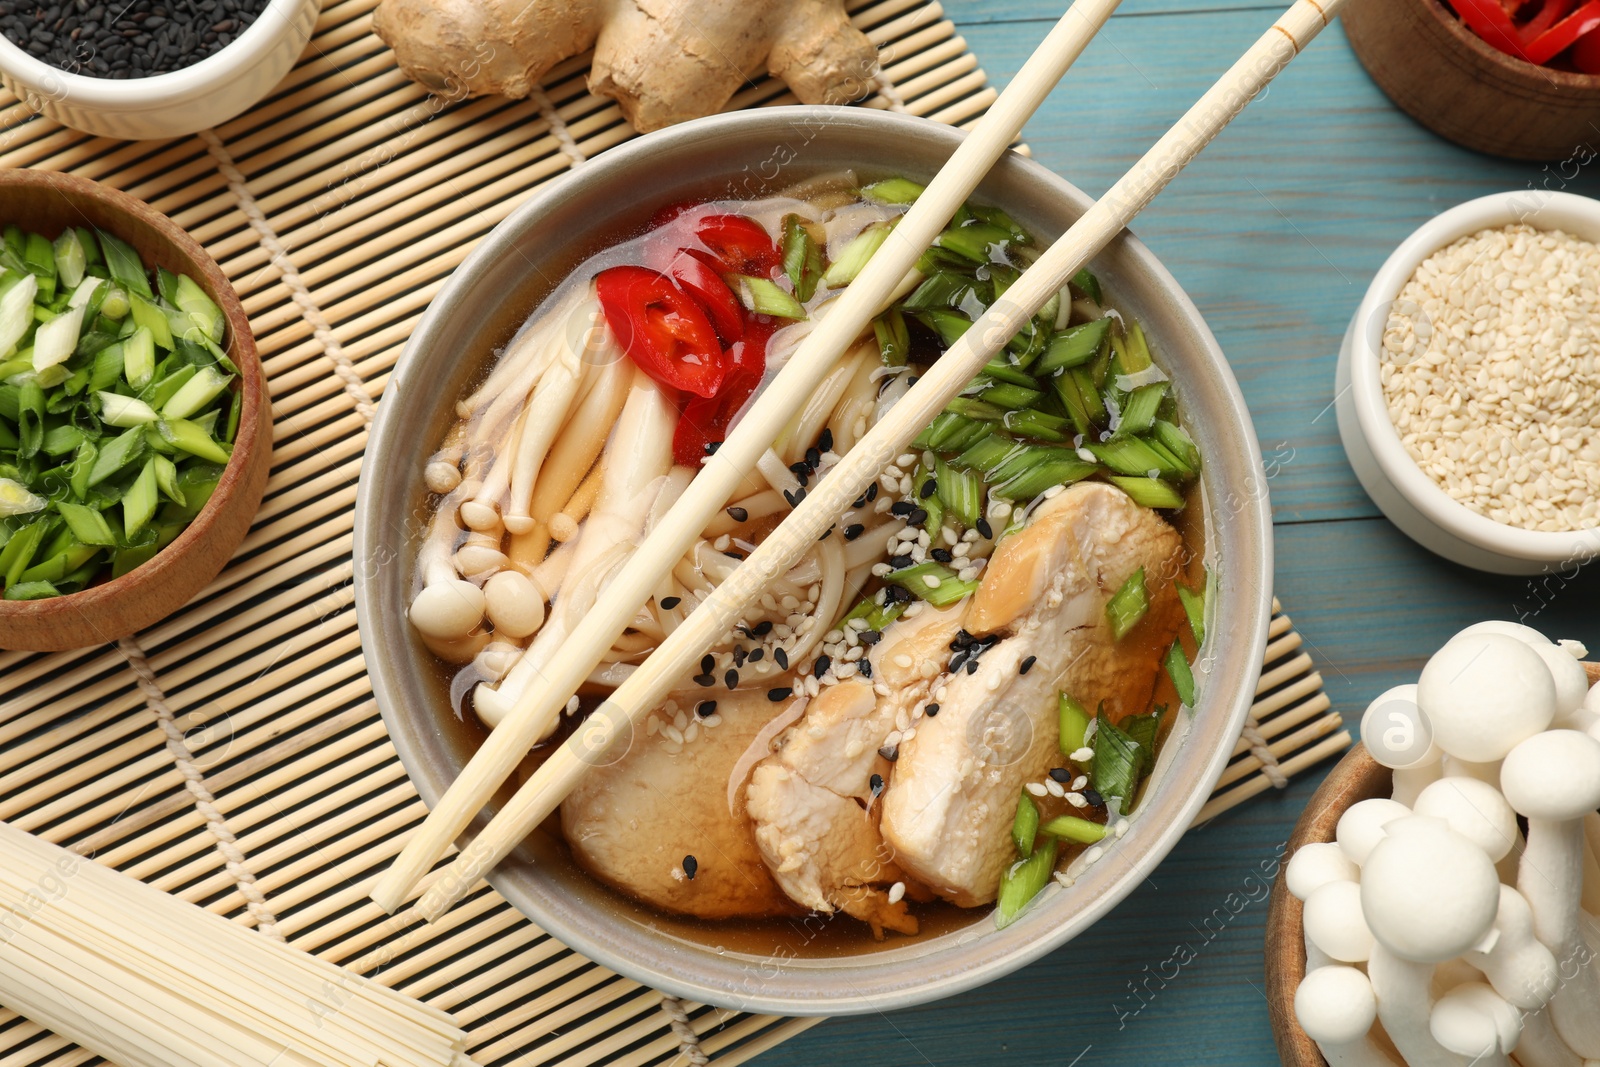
[[984, 529], [866, 667], [917, 517], [705, 708], [794, 496], [690, 865], [731, 678], [781, 658], [959, 660], [712, 446], [1027, 664], [1094, 798], [890, 752], [929, 487], [813, 457], [762, 628], [872, 492], [757, 654], [859, 502], [963, 640], [825, 442], [853, 531], [670, 602], [734, 555], [705, 679], [941, 555], [708, 663], [783, 692], [870, 637], [827, 533], [876, 781], [901, 508], [1061, 774], [899, 562], [931, 710], [739, 655], [972, 665], [738, 514], [800, 469], [819, 668]]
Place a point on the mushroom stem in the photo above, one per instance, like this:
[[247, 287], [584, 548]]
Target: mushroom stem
[[1405, 1004], [1336, 1008], [582, 440], [1541, 1046], [1474, 1021], [1521, 969]]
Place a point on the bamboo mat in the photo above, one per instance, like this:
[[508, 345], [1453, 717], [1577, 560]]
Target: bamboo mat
[[233, 755]]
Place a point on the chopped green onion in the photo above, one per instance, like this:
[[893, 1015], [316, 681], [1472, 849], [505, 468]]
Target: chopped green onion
[[1139, 412], [764, 297], [70, 258], [54, 341], [1150, 493], [975, 409], [1002, 369], [1074, 346], [933, 582], [1194, 606], [893, 191], [1015, 397], [1035, 481], [894, 341], [190, 438], [87, 524], [18, 499], [941, 289], [1177, 443], [196, 393], [949, 325], [1178, 671], [1074, 724], [961, 491], [115, 306], [1135, 353], [59, 440], [1071, 828], [16, 313], [1038, 425], [117, 455], [148, 315], [802, 258], [854, 256], [1128, 605], [1025, 826], [1131, 455], [124, 411], [139, 502], [981, 242], [139, 358], [122, 263], [985, 454], [30, 590], [1023, 881], [1089, 284], [40, 258], [18, 551], [1118, 761], [85, 292]]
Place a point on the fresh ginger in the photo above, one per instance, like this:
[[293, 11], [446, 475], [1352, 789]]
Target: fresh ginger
[[662, 61]]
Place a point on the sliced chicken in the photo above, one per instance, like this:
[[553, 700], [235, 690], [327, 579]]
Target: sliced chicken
[[814, 801], [953, 795], [631, 824]]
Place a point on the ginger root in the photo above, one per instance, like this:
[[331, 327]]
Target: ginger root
[[662, 61]]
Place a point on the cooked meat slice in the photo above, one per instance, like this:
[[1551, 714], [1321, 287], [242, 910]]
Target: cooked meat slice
[[632, 823], [954, 791], [813, 801]]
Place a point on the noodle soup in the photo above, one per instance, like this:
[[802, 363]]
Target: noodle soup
[[956, 694]]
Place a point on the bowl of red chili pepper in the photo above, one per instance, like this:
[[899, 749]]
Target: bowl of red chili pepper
[[1512, 78]]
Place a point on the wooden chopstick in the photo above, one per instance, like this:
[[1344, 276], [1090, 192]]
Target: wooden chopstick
[[709, 491], [944, 380]]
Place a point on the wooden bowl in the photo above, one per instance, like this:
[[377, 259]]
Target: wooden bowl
[[1447, 78], [46, 202], [1355, 778]]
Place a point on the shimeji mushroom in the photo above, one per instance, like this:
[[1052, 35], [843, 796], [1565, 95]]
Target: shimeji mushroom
[[1392, 727], [1541, 1046], [1313, 866], [1483, 693], [1561, 657], [515, 604], [1519, 967], [1476, 810], [1553, 779], [1472, 1020], [1336, 1009], [1334, 924], [1361, 827], [1428, 894]]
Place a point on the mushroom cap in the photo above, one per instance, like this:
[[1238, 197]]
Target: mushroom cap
[[1361, 826], [1475, 810], [1553, 775], [447, 609], [495, 660], [1334, 923], [1315, 865], [1396, 732], [1483, 693], [1526, 634], [1591, 702], [1473, 1020], [1572, 684], [515, 603], [1335, 1005], [1428, 894]]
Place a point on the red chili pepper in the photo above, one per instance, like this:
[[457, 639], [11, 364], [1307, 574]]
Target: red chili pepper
[[1586, 53], [705, 422], [739, 244], [663, 330], [697, 274], [1549, 13], [1564, 34], [1489, 20]]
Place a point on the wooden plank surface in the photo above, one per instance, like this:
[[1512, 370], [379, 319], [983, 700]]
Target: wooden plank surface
[[1275, 233]]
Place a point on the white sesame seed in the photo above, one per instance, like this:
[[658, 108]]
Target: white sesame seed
[[674, 733], [714, 719], [903, 660], [1054, 787], [1122, 827], [897, 891], [1037, 789], [880, 569], [1082, 755], [908, 735], [1080, 781], [931, 581], [1077, 800], [1093, 854], [572, 706]]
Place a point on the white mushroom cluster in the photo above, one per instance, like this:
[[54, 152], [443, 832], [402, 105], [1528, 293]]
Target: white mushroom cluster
[[1437, 932]]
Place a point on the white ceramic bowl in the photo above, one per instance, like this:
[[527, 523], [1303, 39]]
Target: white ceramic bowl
[[1411, 499], [200, 96]]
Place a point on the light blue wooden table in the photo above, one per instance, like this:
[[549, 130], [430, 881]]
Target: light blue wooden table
[[1275, 232]]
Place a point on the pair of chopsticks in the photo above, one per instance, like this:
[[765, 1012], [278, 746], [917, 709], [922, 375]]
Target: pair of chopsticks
[[710, 489]]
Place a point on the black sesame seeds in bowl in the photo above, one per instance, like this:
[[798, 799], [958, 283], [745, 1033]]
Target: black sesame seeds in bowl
[[116, 40], [149, 69]]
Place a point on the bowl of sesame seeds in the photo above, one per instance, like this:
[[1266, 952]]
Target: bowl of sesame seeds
[[1469, 383], [148, 69]]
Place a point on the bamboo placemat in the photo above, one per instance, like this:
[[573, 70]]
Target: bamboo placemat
[[233, 755]]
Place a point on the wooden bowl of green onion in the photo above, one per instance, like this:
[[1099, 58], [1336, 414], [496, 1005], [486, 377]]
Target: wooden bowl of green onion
[[135, 428]]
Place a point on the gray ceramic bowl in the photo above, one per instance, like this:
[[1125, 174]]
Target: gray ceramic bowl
[[790, 970]]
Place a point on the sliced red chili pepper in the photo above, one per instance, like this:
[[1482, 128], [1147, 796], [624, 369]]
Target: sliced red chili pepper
[[1564, 34], [1549, 13], [1489, 20], [739, 244], [1586, 53], [705, 423], [697, 273], [663, 330]]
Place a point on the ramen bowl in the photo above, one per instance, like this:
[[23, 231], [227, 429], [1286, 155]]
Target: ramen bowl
[[800, 966]]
